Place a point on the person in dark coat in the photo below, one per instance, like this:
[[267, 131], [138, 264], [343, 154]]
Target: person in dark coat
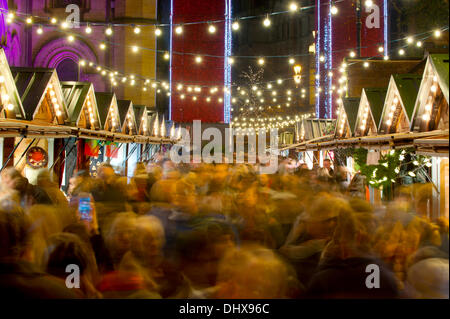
[[20, 277]]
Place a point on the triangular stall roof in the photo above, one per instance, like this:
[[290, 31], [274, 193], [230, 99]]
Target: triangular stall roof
[[369, 111], [142, 119], [108, 111], [431, 107], [127, 117], [313, 128], [399, 104], [81, 104], [10, 102], [41, 94], [348, 111]]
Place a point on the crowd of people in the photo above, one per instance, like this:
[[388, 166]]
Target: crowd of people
[[217, 231]]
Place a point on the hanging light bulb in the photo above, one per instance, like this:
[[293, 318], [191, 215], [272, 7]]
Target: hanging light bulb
[[64, 25], [39, 30], [158, 32], [235, 25], [102, 46], [135, 48], [166, 56], [437, 33], [109, 31], [293, 7], [88, 29], [179, 30], [212, 29], [352, 54], [137, 30], [368, 3], [267, 22], [419, 43], [230, 61], [29, 20], [70, 38], [401, 52], [261, 61], [334, 9], [198, 59]]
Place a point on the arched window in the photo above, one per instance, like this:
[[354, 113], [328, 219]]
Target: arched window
[[67, 70]]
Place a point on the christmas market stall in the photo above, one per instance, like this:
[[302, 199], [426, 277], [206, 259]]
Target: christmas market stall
[[314, 130], [399, 103], [104, 150], [10, 103], [369, 111], [83, 113], [347, 113], [44, 105], [430, 114], [131, 151]]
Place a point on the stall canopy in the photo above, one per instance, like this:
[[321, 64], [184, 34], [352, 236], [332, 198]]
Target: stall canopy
[[399, 103], [348, 111], [140, 112], [81, 104], [41, 94], [431, 107], [127, 117], [108, 111], [10, 103], [369, 111]]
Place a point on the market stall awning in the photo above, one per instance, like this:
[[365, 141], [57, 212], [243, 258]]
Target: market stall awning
[[141, 116], [18, 128], [386, 141]]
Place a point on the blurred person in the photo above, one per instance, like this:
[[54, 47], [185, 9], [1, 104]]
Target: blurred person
[[20, 278], [95, 242], [327, 164], [428, 279], [198, 254], [68, 249], [310, 233], [243, 274], [342, 269], [118, 236], [146, 257], [28, 194], [45, 181], [357, 186]]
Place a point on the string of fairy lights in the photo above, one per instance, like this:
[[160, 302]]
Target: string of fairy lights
[[194, 91]]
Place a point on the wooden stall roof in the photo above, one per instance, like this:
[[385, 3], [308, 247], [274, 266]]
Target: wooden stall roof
[[31, 84], [75, 94], [351, 106], [440, 64], [124, 107], [139, 112], [11, 86], [376, 97], [408, 86], [104, 102]]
